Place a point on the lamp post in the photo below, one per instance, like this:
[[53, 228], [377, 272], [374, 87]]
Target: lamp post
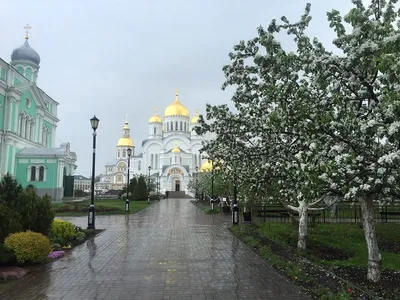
[[212, 180], [197, 182], [129, 151], [235, 209], [94, 122], [148, 187]]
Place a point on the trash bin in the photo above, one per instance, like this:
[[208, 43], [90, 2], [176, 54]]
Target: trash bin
[[247, 217]]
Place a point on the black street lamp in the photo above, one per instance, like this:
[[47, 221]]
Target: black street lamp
[[94, 122], [129, 151], [235, 209], [197, 182], [148, 187], [212, 180]]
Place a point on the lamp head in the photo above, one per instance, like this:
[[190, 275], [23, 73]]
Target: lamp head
[[129, 151], [94, 122]]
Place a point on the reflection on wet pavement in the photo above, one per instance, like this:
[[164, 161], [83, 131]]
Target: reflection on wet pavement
[[171, 250]]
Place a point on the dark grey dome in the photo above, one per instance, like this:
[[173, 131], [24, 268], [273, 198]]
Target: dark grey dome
[[25, 52]]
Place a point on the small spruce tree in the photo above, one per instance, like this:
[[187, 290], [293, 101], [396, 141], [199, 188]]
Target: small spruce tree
[[140, 192]]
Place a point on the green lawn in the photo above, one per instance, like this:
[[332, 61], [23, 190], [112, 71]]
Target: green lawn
[[344, 236], [206, 207], [103, 207]]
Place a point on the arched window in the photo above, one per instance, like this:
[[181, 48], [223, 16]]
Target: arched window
[[180, 159], [26, 127], [185, 126], [21, 124], [170, 160], [176, 125], [167, 126], [154, 130], [139, 166], [181, 126], [41, 173], [172, 126], [124, 153], [32, 130], [119, 154], [33, 173]]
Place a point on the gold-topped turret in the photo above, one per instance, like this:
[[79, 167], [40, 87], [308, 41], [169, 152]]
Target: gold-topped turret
[[195, 119], [155, 118], [176, 108], [125, 140]]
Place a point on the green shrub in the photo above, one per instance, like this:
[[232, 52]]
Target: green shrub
[[37, 213], [9, 222], [140, 192], [22, 209], [28, 246], [5, 255], [80, 236], [64, 230]]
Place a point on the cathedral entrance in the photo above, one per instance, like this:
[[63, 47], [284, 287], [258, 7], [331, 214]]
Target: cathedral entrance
[[177, 185]]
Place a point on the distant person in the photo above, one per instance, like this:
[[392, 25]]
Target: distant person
[[167, 193]]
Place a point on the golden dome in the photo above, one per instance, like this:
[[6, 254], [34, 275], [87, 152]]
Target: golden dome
[[176, 108], [206, 166], [195, 119], [125, 142], [155, 118], [176, 150]]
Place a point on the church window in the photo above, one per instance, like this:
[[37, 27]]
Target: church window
[[31, 130], [156, 162], [167, 126], [152, 161], [172, 126], [170, 160], [139, 167], [180, 159], [21, 125], [33, 173], [154, 130], [181, 126], [124, 153], [119, 154], [185, 126], [195, 160], [26, 127], [176, 159], [41, 173], [176, 125]]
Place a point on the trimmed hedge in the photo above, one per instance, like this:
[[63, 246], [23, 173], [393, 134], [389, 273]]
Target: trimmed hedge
[[28, 247]]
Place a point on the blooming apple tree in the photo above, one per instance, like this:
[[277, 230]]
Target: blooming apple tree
[[310, 123]]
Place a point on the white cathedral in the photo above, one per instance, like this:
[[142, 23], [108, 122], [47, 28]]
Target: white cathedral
[[170, 154]]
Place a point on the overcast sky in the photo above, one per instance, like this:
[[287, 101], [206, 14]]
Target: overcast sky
[[113, 58]]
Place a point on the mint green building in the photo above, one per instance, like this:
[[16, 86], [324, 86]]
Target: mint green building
[[28, 123]]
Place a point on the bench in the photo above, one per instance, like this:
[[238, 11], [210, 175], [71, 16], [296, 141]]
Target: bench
[[385, 214]]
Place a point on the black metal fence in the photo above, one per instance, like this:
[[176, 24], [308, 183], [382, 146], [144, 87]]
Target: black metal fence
[[343, 212]]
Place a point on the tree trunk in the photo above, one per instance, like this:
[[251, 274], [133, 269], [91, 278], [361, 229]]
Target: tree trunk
[[303, 216], [374, 257]]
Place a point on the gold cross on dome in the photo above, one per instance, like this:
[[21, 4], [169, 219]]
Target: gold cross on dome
[[27, 28], [155, 110], [176, 92]]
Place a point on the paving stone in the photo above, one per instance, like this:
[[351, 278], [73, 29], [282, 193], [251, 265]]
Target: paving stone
[[171, 250]]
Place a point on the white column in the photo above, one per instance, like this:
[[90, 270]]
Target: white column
[[53, 136], [16, 115], [8, 116], [13, 161], [28, 128], [40, 129]]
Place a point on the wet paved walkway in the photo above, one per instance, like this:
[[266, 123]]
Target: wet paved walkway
[[171, 250]]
